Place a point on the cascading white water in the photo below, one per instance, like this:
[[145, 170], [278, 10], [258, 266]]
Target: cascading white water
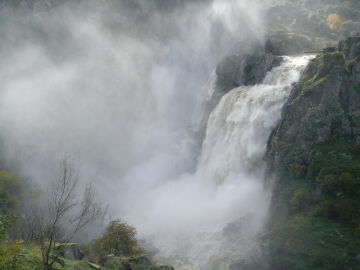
[[238, 128], [229, 201]]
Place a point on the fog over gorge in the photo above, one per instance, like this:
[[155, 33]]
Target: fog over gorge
[[115, 86], [128, 91], [112, 85]]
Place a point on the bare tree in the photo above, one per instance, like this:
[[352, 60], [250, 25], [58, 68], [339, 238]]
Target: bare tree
[[66, 214]]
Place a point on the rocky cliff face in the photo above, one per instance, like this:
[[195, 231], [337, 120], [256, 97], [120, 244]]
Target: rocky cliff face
[[314, 153], [323, 107], [236, 70]]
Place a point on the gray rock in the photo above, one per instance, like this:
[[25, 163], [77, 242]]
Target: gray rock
[[320, 107], [237, 70]]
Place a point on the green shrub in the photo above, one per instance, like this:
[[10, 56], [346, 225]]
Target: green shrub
[[329, 184], [344, 209], [335, 185], [297, 170], [119, 239], [9, 257], [348, 182], [301, 199], [5, 223]]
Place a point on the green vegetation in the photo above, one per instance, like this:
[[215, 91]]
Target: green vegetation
[[323, 196], [31, 256], [318, 125], [16, 255], [300, 199], [118, 239], [117, 249], [10, 192], [9, 252], [306, 242], [317, 196]]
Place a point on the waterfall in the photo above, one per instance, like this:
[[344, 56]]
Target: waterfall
[[239, 126], [118, 99], [223, 206]]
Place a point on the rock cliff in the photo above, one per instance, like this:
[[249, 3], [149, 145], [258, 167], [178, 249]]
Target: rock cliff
[[314, 154]]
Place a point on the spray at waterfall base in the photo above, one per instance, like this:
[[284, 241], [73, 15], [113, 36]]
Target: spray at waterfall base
[[214, 217]]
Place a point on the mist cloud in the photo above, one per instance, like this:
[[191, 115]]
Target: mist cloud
[[116, 86]]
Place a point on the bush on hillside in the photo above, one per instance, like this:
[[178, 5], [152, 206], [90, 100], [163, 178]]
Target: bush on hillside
[[118, 239]]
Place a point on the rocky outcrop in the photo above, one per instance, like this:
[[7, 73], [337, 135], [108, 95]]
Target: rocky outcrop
[[323, 106], [314, 155], [236, 70]]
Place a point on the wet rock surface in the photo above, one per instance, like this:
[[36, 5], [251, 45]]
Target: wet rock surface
[[236, 70]]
